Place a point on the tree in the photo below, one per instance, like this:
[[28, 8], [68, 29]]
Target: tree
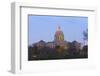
[[84, 52], [85, 34]]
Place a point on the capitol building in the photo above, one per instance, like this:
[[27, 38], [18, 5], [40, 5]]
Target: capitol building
[[58, 41]]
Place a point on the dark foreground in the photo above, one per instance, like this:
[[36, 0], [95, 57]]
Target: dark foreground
[[45, 53]]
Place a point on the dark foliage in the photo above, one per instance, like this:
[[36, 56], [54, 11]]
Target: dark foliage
[[46, 53]]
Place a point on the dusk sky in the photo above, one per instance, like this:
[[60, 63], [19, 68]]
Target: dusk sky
[[44, 27]]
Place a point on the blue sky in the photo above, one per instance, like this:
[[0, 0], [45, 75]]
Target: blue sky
[[44, 27]]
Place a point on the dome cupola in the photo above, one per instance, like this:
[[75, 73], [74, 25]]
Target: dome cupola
[[59, 36]]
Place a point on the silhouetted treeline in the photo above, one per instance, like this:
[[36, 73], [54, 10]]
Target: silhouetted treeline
[[46, 53]]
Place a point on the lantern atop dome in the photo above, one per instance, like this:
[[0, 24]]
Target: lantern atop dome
[[58, 28]]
